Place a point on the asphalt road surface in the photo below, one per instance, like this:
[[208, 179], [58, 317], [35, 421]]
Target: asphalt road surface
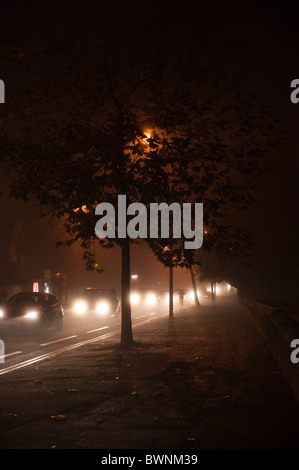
[[22, 348], [204, 380]]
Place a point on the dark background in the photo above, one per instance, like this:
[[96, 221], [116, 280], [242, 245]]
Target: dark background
[[255, 40]]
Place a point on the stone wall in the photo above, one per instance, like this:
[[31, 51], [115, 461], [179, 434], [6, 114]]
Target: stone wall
[[279, 330]]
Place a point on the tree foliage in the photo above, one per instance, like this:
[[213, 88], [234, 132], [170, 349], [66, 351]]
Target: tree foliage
[[89, 96]]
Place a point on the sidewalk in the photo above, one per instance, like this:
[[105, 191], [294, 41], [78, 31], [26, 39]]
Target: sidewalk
[[205, 380]]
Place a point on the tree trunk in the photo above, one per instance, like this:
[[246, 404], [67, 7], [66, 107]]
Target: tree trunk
[[171, 292], [126, 321], [194, 286], [213, 290]]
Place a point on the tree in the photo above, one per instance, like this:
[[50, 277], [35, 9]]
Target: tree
[[88, 101], [82, 142], [206, 168]]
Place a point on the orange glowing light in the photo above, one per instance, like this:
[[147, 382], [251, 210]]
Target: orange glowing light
[[83, 208]]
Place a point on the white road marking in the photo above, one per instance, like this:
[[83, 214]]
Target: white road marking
[[98, 329], [11, 354], [53, 354], [58, 340]]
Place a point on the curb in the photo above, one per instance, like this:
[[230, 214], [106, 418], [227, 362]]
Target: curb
[[279, 330]]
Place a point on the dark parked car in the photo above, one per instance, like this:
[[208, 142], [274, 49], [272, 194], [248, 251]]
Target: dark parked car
[[34, 310], [99, 301]]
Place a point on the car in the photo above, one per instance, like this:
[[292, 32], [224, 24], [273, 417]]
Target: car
[[144, 296], [32, 310], [164, 296], [98, 301]]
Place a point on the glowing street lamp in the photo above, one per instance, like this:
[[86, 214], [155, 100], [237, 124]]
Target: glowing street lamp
[[148, 135], [83, 209]]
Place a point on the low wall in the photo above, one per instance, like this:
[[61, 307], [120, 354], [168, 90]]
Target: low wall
[[279, 330]]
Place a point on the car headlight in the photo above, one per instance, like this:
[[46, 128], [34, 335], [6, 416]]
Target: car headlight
[[103, 307], [151, 299], [80, 306], [33, 315], [191, 294], [135, 298]]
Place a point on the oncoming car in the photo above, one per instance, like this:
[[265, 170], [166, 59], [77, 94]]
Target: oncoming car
[[164, 296], [144, 296], [98, 301], [32, 310]]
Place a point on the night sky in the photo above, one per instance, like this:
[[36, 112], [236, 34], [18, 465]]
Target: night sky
[[255, 43]]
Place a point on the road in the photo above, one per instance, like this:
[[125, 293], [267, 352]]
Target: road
[[23, 348], [203, 380]]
